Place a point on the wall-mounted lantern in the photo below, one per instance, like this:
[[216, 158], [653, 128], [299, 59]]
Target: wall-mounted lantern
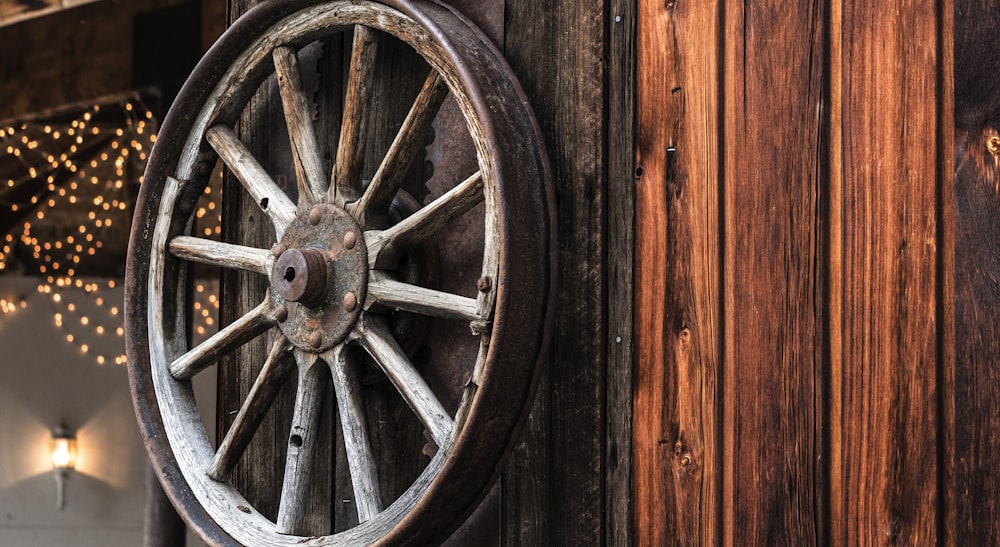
[[63, 460]]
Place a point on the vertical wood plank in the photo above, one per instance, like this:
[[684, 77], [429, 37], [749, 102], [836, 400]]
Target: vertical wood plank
[[260, 472], [621, 240], [977, 272], [834, 238], [888, 441], [557, 51], [244, 223], [772, 203], [397, 434], [161, 525], [976, 269], [677, 277]]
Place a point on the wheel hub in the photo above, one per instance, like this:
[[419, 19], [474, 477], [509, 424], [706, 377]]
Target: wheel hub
[[320, 277]]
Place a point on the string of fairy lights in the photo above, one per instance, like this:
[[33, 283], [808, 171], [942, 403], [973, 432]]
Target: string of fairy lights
[[99, 187]]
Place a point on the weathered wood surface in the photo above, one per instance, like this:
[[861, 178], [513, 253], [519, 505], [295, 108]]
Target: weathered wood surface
[[396, 365], [357, 102], [267, 386], [304, 447], [161, 525], [428, 220], [225, 341], [406, 147], [309, 172], [621, 221], [772, 261], [258, 182], [889, 365], [429, 302], [553, 489], [225, 255], [386, 75], [357, 441], [793, 326], [678, 235], [977, 273], [259, 473]]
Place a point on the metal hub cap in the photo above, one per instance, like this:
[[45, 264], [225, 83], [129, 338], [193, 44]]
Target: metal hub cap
[[320, 277]]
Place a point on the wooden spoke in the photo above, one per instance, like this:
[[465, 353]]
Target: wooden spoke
[[271, 198], [262, 394], [302, 439], [298, 118], [346, 184], [360, 460], [405, 149], [225, 255], [237, 333], [378, 341], [403, 296], [427, 221]]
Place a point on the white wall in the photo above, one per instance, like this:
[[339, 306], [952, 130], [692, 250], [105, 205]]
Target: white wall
[[45, 380]]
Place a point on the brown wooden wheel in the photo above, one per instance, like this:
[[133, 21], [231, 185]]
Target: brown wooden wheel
[[332, 277]]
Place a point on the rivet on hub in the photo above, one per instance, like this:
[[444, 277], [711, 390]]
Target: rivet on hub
[[281, 313], [350, 301], [315, 215], [316, 339], [350, 240], [278, 249]]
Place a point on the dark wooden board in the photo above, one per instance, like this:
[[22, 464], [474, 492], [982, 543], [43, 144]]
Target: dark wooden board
[[71, 56], [259, 474], [553, 490], [977, 272], [621, 221]]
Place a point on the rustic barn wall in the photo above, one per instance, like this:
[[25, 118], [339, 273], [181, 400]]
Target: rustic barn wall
[[801, 375]]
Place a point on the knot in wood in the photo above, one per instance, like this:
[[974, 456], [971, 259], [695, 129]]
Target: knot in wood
[[993, 145]]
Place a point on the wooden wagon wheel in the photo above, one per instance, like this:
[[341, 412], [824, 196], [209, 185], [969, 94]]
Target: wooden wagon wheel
[[331, 273]]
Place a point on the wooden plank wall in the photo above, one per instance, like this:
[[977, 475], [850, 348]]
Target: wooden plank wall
[[261, 469], [793, 326]]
